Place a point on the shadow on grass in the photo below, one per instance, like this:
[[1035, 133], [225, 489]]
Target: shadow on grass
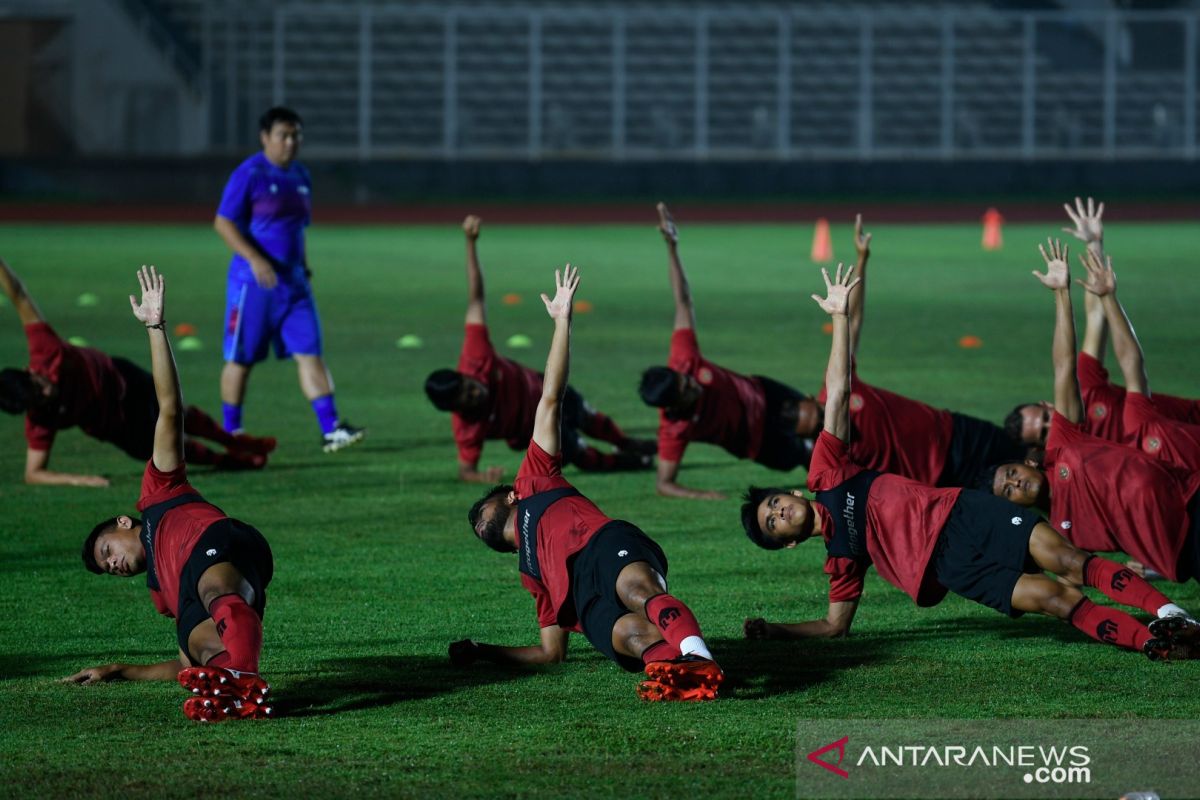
[[340, 685], [995, 626], [761, 668]]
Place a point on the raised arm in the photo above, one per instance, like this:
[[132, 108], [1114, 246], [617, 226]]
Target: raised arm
[[1089, 229], [837, 374], [835, 625], [552, 649], [476, 308], [858, 297], [554, 382], [14, 289], [1102, 282], [168, 431], [1057, 279], [685, 312]]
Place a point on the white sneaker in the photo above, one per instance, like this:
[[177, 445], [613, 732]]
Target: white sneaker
[[343, 435]]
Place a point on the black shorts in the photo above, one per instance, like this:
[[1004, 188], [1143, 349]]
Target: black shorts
[[227, 540], [782, 448], [983, 550], [1189, 558], [975, 445], [573, 413], [140, 407], [594, 583]]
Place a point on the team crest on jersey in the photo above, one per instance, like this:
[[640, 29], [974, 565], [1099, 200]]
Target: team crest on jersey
[[1064, 472], [274, 189], [1099, 411], [302, 189], [705, 375], [856, 402], [1152, 444], [1065, 524]]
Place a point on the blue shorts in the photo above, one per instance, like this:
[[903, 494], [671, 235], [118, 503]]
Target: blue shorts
[[255, 318]]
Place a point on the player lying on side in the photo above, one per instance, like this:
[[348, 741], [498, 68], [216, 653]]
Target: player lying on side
[[109, 398], [1102, 495], [928, 541], [587, 572], [206, 570], [492, 397]]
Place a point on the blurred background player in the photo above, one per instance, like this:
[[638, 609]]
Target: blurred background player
[[109, 398], [264, 210], [750, 416], [587, 572], [207, 571], [928, 541], [492, 397]]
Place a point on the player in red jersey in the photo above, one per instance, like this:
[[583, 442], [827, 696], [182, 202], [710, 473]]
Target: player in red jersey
[[587, 572], [750, 416], [492, 397], [1102, 495], [1103, 401], [109, 398], [928, 541], [208, 571]]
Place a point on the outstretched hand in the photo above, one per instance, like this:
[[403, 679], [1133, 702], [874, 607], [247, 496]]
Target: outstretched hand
[[470, 226], [1101, 280], [666, 224], [566, 281], [150, 312], [86, 677], [837, 291], [862, 241], [1057, 275], [1088, 227]]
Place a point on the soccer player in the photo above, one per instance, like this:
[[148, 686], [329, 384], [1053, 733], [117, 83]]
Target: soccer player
[[751, 416], [492, 397], [1103, 401], [264, 210], [927, 541], [587, 572], [109, 398], [1102, 495], [208, 571]]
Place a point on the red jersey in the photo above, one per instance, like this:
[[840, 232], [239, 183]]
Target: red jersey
[[903, 521], [90, 390], [513, 394], [1149, 430], [178, 531], [892, 433], [564, 529], [1106, 496], [1104, 402], [729, 412]]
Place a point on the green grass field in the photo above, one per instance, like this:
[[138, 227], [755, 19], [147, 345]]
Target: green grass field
[[376, 570]]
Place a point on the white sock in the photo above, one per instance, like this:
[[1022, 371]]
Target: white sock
[[694, 645], [1172, 610]]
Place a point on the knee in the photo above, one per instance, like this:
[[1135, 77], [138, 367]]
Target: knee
[[1061, 602]]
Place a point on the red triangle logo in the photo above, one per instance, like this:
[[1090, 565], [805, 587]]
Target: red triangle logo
[[840, 746]]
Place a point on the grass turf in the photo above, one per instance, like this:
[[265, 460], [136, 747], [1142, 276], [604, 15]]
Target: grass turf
[[377, 572]]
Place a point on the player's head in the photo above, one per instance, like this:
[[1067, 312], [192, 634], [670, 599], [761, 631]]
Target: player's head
[[1029, 423], [16, 391], [674, 392], [452, 391], [114, 547], [1018, 482], [777, 518], [489, 516], [280, 130]]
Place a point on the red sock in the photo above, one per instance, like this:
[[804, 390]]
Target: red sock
[[600, 426], [1110, 625], [674, 621], [196, 453], [240, 630], [1121, 584], [660, 651], [198, 423]]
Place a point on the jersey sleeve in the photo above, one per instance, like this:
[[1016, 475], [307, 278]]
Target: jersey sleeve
[[158, 486], [38, 437], [846, 577], [468, 437], [831, 464], [1139, 410], [539, 464], [673, 438], [685, 351], [1062, 432], [541, 599], [235, 200], [1091, 373], [477, 354], [46, 349]]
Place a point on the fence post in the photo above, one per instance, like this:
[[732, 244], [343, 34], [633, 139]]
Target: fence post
[[866, 122], [1110, 84], [278, 55], [783, 111], [948, 84], [450, 84], [1028, 87], [535, 85], [1189, 87], [700, 123], [618, 84], [365, 44]]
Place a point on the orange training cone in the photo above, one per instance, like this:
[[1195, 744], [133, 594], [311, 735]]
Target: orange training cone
[[992, 238], [822, 249]]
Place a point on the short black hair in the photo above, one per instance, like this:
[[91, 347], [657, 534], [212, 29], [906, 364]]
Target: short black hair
[[278, 114], [753, 499], [659, 387], [16, 391], [493, 535], [443, 386], [985, 481], [1014, 422], [89, 544]]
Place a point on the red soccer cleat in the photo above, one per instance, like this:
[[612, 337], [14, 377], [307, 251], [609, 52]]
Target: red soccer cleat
[[689, 678], [227, 684], [218, 709]]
